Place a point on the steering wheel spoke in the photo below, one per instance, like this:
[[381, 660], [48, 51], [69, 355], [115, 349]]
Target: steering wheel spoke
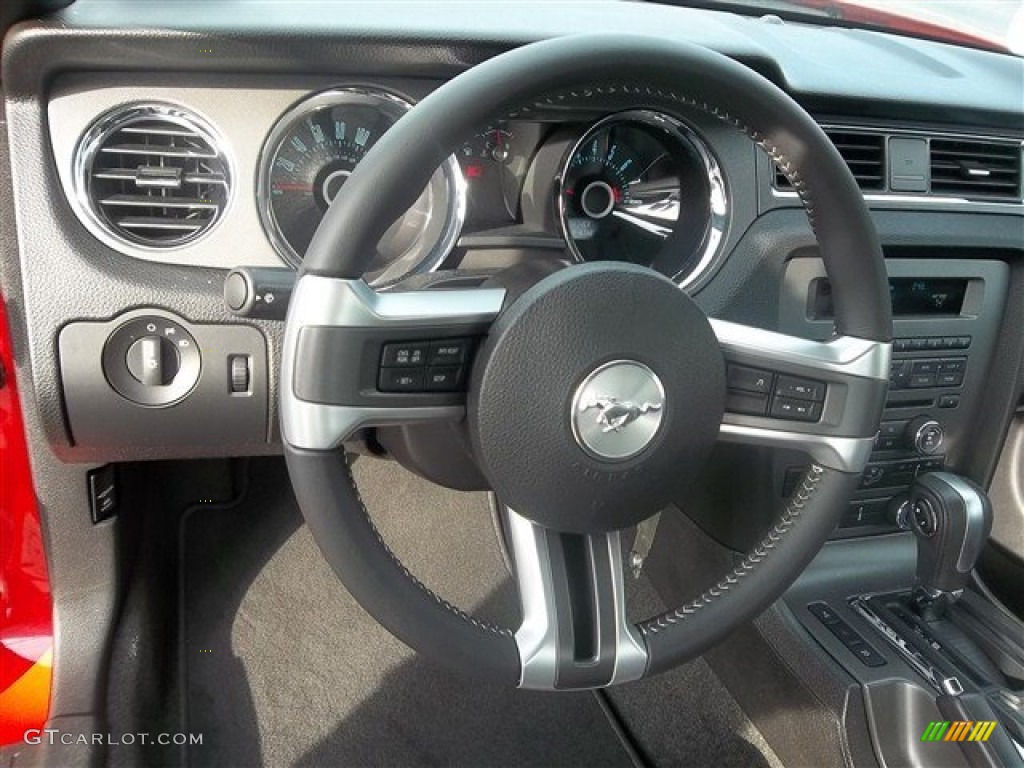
[[575, 633], [356, 358], [822, 398]]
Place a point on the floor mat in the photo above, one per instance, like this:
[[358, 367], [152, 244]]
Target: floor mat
[[282, 667]]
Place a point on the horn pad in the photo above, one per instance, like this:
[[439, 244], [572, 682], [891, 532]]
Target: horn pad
[[596, 398]]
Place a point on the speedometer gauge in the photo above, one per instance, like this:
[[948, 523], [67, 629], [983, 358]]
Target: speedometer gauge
[[311, 153], [640, 186]]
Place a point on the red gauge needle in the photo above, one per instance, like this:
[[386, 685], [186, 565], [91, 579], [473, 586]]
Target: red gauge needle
[[286, 186]]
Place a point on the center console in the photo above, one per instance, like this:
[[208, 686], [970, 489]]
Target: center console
[[941, 663], [946, 315]]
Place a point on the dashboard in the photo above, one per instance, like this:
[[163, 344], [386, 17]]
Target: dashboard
[[151, 148], [146, 165], [175, 175]]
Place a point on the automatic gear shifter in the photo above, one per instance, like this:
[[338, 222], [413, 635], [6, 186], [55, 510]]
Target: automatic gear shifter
[[966, 647], [952, 518]]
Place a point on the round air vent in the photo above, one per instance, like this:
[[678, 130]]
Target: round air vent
[[152, 175]]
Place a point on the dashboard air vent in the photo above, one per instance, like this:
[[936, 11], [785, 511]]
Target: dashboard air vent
[[976, 169], [863, 152], [152, 175]]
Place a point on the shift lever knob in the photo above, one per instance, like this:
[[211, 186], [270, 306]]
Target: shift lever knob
[[952, 518]]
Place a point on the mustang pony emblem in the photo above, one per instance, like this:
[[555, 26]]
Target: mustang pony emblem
[[613, 415]]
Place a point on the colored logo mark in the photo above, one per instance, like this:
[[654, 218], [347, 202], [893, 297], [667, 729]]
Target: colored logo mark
[[959, 730]]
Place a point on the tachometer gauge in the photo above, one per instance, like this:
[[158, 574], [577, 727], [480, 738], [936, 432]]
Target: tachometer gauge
[[639, 186], [310, 154]]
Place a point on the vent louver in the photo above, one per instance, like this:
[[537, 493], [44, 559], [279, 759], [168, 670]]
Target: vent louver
[[153, 175], [864, 153], [976, 169]]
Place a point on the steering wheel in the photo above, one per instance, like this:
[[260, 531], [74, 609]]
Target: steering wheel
[[593, 397]]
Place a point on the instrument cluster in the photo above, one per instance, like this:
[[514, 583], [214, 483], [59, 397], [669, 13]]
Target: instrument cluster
[[637, 185]]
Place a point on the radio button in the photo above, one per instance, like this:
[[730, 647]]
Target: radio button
[[953, 365], [899, 373], [924, 366], [892, 428]]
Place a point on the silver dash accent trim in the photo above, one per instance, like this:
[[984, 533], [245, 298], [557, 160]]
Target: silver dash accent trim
[[325, 301], [537, 636], [845, 355], [846, 454]]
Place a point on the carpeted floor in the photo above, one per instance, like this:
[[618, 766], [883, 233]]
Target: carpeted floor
[[283, 668]]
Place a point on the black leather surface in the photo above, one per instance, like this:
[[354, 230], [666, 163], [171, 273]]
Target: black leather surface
[[373, 575], [938, 554], [538, 353], [804, 524], [406, 156]]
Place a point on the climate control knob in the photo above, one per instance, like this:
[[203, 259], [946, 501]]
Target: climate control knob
[[925, 435]]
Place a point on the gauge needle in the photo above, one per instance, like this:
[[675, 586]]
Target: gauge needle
[[652, 206], [664, 209], [666, 187], [285, 186]]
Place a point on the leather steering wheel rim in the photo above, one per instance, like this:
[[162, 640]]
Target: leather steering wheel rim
[[389, 179]]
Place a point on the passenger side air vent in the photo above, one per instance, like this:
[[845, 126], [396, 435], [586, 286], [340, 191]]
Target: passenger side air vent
[[863, 152], [976, 169], [152, 175]]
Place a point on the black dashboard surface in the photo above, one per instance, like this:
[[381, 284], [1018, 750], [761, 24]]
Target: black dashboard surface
[[868, 77], [889, 76]]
